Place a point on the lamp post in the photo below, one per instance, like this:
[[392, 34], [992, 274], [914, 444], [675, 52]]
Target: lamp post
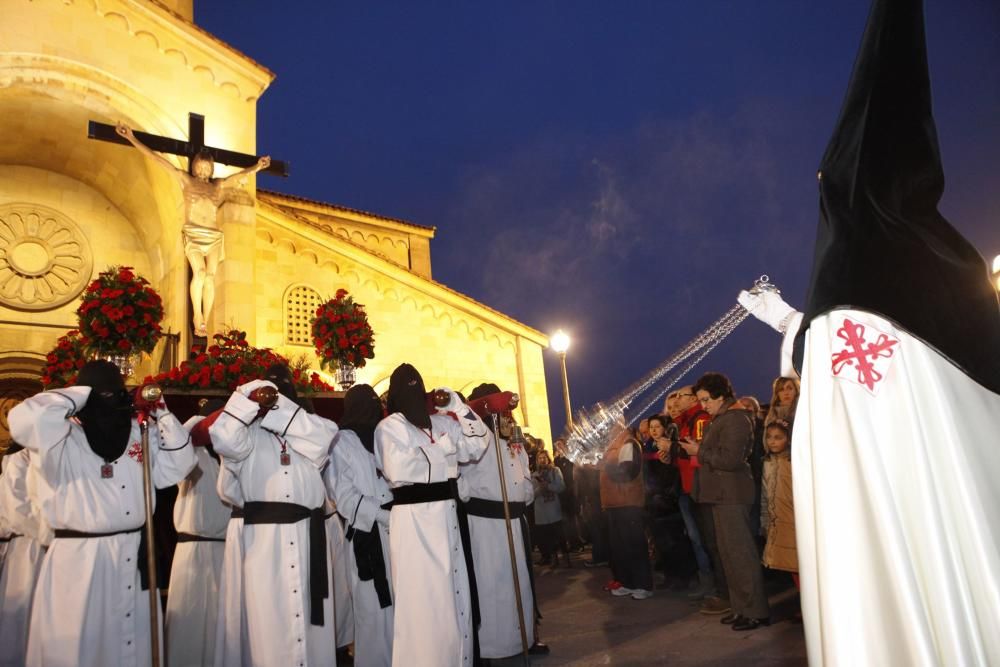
[[560, 343]]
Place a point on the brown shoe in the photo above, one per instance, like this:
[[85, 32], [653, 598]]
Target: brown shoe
[[714, 605]]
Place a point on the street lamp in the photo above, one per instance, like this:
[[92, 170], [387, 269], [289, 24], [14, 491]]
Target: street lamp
[[560, 343]]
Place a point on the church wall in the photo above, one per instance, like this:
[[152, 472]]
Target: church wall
[[450, 347], [105, 236]]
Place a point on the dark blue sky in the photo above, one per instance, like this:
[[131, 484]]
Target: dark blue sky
[[618, 169]]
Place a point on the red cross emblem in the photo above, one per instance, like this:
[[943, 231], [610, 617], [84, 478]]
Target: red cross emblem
[[867, 354], [135, 452]]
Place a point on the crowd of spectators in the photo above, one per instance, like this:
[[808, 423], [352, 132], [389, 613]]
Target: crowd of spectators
[[695, 501]]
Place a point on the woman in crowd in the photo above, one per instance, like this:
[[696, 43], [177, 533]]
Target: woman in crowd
[[784, 398], [548, 482]]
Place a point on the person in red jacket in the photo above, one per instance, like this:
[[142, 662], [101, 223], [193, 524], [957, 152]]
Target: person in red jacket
[[691, 420]]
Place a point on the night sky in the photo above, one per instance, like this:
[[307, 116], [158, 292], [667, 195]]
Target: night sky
[[617, 169]]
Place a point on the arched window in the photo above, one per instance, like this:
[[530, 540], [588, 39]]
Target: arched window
[[300, 308]]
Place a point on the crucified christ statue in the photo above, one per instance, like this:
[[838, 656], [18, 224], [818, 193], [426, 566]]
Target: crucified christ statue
[[202, 237]]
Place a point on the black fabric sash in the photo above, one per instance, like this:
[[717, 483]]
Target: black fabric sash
[[191, 537], [434, 492], [370, 561], [4, 540], [141, 555], [237, 513], [256, 512], [493, 509]]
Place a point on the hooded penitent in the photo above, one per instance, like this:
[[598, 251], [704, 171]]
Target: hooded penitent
[[882, 246], [283, 379], [362, 413], [408, 396], [897, 508], [107, 416]]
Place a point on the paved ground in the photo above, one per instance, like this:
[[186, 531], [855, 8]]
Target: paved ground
[[584, 625]]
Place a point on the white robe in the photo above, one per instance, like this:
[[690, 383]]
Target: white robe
[[276, 556], [231, 637], [433, 616], [193, 598], [89, 609], [500, 632], [359, 492], [340, 584], [897, 505], [23, 561]]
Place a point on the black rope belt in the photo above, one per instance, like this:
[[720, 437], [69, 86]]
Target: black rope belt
[[493, 509], [141, 556], [191, 537], [434, 492], [281, 513]]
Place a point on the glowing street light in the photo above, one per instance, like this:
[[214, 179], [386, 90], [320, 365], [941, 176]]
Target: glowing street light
[[560, 343]]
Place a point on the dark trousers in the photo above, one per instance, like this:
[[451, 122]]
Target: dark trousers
[[549, 537], [738, 550], [629, 549], [597, 529], [706, 526]]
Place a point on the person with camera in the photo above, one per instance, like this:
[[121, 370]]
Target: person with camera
[[724, 482], [622, 498], [690, 420]]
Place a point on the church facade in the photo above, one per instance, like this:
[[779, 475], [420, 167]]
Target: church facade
[[70, 207]]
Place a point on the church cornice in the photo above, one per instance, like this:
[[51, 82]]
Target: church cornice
[[375, 261], [356, 215], [180, 39]]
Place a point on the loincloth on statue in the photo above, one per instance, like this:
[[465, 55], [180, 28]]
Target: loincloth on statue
[[204, 240]]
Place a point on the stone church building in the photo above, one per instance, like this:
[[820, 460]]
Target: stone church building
[[70, 207]]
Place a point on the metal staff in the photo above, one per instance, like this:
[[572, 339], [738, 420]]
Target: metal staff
[[150, 394], [510, 534]]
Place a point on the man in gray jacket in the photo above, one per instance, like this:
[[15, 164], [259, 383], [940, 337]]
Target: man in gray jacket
[[725, 482]]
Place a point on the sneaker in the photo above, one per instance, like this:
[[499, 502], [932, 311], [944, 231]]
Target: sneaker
[[612, 585], [595, 563], [714, 605], [621, 592], [641, 594]]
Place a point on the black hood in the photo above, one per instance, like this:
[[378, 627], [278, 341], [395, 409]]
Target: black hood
[[362, 413], [882, 246], [107, 416], [408, 396]]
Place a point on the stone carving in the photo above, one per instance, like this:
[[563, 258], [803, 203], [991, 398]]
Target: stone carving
[[45, 259]]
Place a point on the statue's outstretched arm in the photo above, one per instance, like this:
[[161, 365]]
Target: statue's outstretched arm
[[262, 163], [126, 131]]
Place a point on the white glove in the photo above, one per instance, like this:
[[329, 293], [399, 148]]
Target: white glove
[[769, 308], [247, 388]]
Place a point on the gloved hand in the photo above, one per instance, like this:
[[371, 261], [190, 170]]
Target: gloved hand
[[154, 408], [260, 391], [769, 308], [247, 389]]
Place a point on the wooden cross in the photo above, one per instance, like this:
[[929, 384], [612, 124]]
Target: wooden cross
[[188, 149]]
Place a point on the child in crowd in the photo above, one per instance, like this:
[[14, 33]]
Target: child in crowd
[[777, 506]]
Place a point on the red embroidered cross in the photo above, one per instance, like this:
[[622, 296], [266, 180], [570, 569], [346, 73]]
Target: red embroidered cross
[[862, 354], [135, 452]]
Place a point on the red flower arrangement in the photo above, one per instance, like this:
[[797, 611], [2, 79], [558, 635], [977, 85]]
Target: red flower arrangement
[[229, 363], [120, 313], [341, 332], [65, 360]]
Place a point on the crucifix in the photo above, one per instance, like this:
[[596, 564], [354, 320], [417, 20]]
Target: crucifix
[[203, 195]]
